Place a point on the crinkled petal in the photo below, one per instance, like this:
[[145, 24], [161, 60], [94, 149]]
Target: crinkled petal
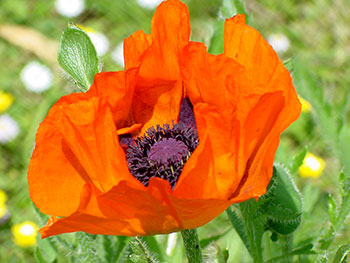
[[127, 211], [90, 139], [159, 88], [135, 47], [54, 184], [242, 120], [118, 87], [209, 78]]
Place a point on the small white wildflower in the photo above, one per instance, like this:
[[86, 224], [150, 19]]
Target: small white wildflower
[[149, 4], [8, 128], [70, 8], [118, 54], [36, 77], [100, 42], [280, 43]]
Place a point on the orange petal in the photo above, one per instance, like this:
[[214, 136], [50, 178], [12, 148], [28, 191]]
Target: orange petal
[[159, 86], [91, 141], [211, 170], [54, 184], [170, 33], [118, 87], [134, 48], [127, 211], [246, 46], [209, 78]]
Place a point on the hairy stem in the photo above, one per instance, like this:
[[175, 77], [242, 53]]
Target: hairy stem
[[191, 242]]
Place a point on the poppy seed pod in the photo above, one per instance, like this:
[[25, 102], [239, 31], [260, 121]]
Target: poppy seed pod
[[170, 142]]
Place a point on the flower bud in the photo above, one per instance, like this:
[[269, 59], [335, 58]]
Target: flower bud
[[282, 203]]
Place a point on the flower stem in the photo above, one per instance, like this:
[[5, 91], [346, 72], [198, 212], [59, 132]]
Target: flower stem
[[191, 242]]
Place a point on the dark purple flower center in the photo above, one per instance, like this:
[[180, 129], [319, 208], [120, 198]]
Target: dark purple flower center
[[163, 151], [167, 149]]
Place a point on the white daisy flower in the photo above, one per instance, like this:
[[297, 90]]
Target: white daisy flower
[[118, 54], [8, 128], [100, 42], [70, 8], [279, 42], [36, 77], [149, 4]]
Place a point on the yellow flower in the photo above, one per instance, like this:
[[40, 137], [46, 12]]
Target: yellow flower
[[3, 197], [3, 209], [6, 100], [312, 166], [305, 105], [24, 234]]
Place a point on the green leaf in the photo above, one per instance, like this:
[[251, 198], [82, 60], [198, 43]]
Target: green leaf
[[140, 252], [341, 254], [206, 241], [87, 250], [344, 147], [230, 8], [238, 225], [114, 247], [216, 45], [305, 250], [297, 161], [38, 256], [155, 248], [288, 63], [254, 224], [332, 209], [77, 56], [46, 249]]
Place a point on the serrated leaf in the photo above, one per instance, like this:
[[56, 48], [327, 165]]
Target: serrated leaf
[[341, 254], [155, 248], [141, 252], [332, 209], [77, 56]]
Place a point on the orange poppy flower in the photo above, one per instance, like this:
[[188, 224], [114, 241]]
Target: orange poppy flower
[[168, 143]]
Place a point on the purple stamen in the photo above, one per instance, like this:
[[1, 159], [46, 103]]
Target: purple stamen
[[163, 150]]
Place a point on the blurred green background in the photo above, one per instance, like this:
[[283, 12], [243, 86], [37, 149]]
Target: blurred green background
[[315, 34]]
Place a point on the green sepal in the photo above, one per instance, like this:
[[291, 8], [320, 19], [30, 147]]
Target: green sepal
[[282, 204], [78, 57]]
